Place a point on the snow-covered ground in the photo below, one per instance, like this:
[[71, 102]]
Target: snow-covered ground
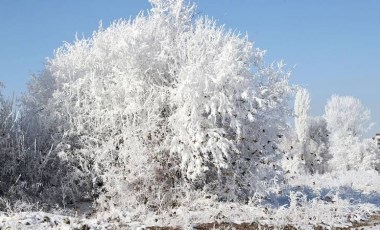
[[42, 220], [349, 199], [365, 181]]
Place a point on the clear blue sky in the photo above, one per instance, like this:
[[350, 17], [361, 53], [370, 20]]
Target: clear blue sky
[[334, 45]]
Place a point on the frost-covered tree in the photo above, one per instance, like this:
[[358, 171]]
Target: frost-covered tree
[[301, 113], [37, 126], [347, 115], [7, 121], [306, 151], [29, 172], [166, 101], [295, 142], [318, 154], [5, 116], [8, 141], [347, 120]]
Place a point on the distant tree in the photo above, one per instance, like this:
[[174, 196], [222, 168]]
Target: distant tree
[[295, 142], [347, 120], [6, 120], [318, 154], [6, 140], [307, 151], [301, 113], [347, 115], [8, 129]]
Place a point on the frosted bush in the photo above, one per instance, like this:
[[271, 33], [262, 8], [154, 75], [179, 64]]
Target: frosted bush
[[161, 103]]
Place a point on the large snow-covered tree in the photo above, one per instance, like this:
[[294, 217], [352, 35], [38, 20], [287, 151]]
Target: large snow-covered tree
[[161, 102]]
